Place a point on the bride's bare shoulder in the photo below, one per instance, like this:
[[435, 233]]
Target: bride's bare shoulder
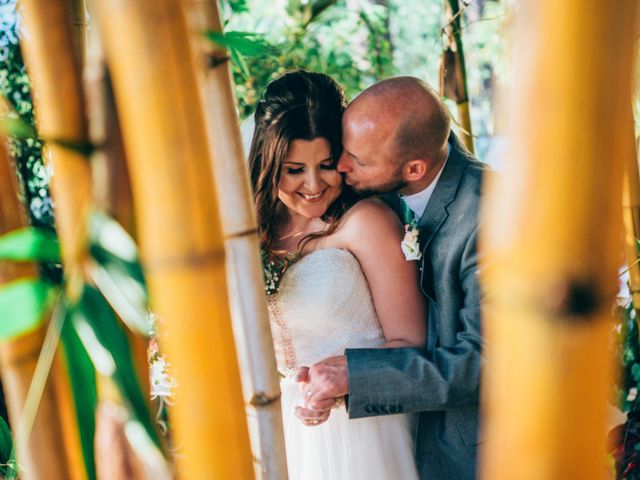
[[371, 215]]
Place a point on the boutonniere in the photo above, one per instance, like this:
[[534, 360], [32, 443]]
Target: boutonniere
[[410, 244]]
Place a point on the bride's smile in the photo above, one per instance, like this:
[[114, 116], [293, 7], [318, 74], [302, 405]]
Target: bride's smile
[[309, 182], [309, 197]]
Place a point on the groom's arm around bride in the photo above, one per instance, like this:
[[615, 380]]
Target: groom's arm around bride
[[403, 119]]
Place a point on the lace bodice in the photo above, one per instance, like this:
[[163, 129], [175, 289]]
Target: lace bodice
[[323, 305]]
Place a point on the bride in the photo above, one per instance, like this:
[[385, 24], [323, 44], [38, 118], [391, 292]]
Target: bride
[[335, 277]]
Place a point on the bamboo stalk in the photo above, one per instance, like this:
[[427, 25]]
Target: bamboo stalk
[[50, 58], [79, 25], [44, 456], [244, 273], [452, 7], [112, 186], [57, 89], [179, 224], [552, 242], [631, 215]]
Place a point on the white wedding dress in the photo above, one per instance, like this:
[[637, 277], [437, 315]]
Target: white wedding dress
[[323, 306]]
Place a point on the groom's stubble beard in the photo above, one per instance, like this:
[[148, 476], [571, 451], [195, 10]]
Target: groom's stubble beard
[[393, 184]]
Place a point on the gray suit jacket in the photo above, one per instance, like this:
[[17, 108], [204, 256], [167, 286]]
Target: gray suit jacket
[[441, 381]]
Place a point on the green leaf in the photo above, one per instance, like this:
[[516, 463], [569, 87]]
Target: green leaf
[[110, 240], [15, 127], [23, 304], [242, 64], [7, 454], [125, 294], [244, 43], [118, 274], [107, 345], [30, 244], [320, 6], [82, 378], [83, 148]]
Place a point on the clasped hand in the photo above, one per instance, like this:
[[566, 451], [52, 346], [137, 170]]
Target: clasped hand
[[323, 387]]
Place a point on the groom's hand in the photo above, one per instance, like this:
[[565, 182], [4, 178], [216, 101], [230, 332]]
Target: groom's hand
[[311, 418], [326, 383]]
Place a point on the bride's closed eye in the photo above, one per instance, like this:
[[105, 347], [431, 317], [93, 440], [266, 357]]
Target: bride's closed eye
[[324, 166]]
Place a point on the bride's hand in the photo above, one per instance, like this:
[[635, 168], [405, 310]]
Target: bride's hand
[[310, 417]]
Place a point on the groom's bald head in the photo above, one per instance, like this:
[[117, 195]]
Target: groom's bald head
[[406, 112]]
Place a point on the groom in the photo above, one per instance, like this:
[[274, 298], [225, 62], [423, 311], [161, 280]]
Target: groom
[[397, 141]]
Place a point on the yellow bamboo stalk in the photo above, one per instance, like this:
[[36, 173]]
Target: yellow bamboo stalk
[[458, 77], [79, 25], [179, 223], [244, 272], [44, 456], [631, 215], [48, 48], [60, 114], [112, 187], [552, 242], [115, 458], [464, 118]]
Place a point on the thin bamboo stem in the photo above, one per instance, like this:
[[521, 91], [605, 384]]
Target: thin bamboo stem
[[244, 273], [44, 456], [179, 224], [552, 242]]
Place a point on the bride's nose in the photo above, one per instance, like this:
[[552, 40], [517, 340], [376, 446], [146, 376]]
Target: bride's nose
[[312, 181]]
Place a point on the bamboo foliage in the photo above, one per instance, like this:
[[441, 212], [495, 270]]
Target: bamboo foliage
[[554, 218], [44, 456], [179, 227], [244, 274]]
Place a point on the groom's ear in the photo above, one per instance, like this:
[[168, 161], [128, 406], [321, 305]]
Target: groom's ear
[[415, 170]]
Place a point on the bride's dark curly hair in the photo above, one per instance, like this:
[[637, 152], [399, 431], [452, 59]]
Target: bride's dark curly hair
[[299, 105]]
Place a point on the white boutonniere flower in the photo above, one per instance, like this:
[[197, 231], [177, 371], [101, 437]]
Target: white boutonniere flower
[[410, 244]]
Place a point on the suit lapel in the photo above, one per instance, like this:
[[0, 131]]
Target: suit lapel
[[445, 192]]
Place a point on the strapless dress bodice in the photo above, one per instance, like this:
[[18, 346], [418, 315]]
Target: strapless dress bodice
[[323, 306]]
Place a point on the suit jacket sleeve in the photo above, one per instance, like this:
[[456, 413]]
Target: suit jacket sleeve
[[412, 379]]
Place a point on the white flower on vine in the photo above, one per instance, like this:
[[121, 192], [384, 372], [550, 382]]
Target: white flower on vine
[[162, 384]]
